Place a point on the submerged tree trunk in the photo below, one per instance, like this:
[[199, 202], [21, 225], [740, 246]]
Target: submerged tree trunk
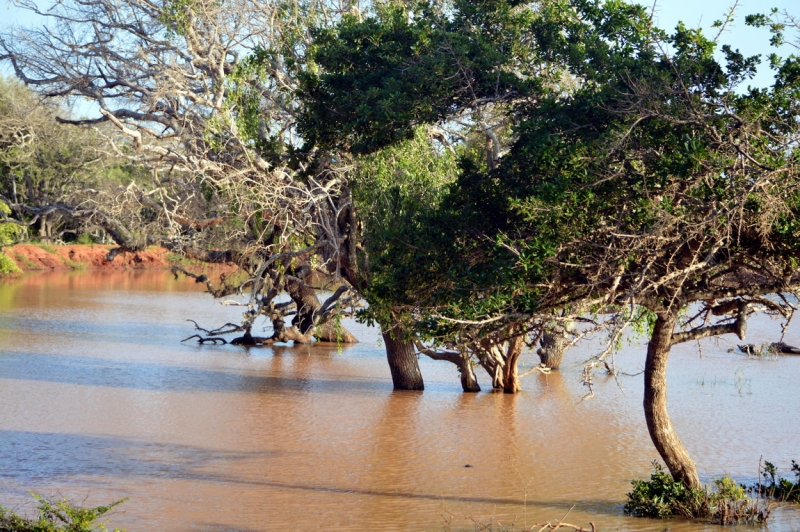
[[555, 340], [490, 355], [462, 361], [468, 381], [669, 446], [402, 358], [332, 332], [510, 374]]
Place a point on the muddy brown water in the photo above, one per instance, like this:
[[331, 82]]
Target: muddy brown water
[[99, 400]]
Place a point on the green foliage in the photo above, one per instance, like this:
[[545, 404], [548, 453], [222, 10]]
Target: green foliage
[[663, 497], [599, 181], [73, 265], [9, 232], [8, 266], [85, 239], [47, 247], [176, 16], [43, 162], [125, 174], [57, 516], [395, 190], [22, 259], [660, 497], [410, 64], [781, 488]]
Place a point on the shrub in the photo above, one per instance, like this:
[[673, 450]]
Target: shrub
[[664, 497], [780, 488], [85, 239], [8, 266], [9, 232], [56, 516]]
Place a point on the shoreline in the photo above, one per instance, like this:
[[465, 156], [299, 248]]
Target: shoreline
[[72, 257]]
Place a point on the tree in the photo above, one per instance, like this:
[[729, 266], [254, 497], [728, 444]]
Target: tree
[[392, 190], [656, 191], [44, 163], [413, 63], [200, 94]]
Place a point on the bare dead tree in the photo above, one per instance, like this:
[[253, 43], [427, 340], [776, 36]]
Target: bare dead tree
[[201, 95]]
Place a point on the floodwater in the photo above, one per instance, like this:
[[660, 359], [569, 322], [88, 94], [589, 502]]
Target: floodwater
[[100, 400]]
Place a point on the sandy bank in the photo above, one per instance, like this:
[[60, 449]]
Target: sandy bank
[[38, 257]]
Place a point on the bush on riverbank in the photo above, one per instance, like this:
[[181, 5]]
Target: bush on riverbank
[[57, 516], [782, 489], [8, 266], [664, 497]]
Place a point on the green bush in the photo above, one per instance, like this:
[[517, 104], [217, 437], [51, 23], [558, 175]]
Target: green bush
[[664, 497], [85, 239], [7, 266], [781, 488], [56, 516], [9, 233]]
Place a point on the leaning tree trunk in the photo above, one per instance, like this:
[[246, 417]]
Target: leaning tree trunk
[[669, 446], [468, 381], [555, 340], [462, 361], [402, 358]]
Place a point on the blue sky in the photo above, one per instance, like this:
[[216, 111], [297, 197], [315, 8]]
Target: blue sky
[[695, 13]]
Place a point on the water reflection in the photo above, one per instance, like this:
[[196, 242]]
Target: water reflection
[[100, 400]]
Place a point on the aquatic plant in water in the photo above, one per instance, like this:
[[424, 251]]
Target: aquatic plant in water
[[57, 516], [664, 497], [779, 488]]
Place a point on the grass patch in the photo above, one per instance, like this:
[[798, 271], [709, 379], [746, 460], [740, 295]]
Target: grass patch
[[663, 497], [57, 516], [74, 265], [22, 259], [47, 247]]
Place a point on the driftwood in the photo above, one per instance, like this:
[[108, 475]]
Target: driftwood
[[542, 527], [778, 348], [785, 349]]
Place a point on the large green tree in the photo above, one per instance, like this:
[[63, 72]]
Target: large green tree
[[656, 186], [460, 66]]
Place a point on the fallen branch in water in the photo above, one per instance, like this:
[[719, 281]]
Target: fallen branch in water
[[560, 525], [201, 340]]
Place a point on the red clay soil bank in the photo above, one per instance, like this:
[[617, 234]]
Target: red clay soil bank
[[31, 258]]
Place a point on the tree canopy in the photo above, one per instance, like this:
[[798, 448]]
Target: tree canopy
[[642, 173]]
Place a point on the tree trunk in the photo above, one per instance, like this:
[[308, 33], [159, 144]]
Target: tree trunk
[[44, 229], [402, 358], [330, 332], [554, 342], [669, 446], [468, 381], [462, 361], [490, 355], [510, 375]]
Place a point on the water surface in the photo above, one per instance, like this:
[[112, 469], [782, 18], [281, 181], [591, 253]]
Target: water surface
[[100, 400]]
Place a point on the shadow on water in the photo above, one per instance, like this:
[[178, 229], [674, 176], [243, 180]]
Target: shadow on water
[[45, 456], [91, 371]]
